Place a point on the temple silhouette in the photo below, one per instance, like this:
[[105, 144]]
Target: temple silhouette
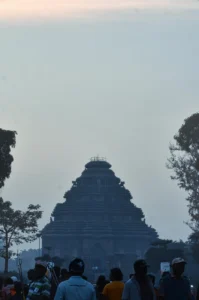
[[98, 222]]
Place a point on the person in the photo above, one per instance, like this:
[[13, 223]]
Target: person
[[152, 278], [114, 289], [176, 286], [30, 275], [55, 280], [64, 275], [8, 289], [75, 288], [40, 286], [100, 284], [139, 287], [1, 286], [18, 295], [14, 279]]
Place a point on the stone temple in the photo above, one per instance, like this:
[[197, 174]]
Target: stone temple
[[98, 222]]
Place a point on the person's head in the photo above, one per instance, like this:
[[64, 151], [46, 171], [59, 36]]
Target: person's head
[[101, 279], [101, 282], [14, 279], [40, 269], [31, 274], [152, 278], [178, 266], [76, 267], [65, 274], [8, 281], [140, 268], [57, 271], [116, 274]]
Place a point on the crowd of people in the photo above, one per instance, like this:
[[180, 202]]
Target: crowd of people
[[61, 284]]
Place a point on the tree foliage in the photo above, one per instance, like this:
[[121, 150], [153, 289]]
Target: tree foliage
[[155, 255], [17, 226], [161, 243], [194, 239], [7, 141], [184, 161]]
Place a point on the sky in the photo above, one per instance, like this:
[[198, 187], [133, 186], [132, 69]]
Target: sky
[[87, 78]]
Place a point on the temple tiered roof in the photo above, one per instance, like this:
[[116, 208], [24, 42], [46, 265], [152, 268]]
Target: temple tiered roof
[[98, 205]]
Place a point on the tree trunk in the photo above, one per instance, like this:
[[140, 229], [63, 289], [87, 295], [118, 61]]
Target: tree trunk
[[6, 253], [6, 260]]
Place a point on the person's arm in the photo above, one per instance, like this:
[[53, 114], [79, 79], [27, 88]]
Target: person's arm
[[126, 292], [104, 294]]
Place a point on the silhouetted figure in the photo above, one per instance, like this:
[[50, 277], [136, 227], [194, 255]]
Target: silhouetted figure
[[197, 295], [114, 289], [56, 273], [18, 295], [30, 275], [139, 287], [1, 286], [65, 275], [100, 284], [40, 287], [152, 278], [176, 286], [8, 288], [75, 288]]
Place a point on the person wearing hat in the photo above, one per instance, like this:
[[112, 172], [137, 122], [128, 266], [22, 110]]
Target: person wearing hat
[[139, 287], [177, 286], [75, 288], [40, 287]]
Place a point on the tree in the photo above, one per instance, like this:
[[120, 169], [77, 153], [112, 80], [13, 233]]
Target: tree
[[161, 243], [7, 141], [154, 256], [184, 161], [194, 243], [17, 226]]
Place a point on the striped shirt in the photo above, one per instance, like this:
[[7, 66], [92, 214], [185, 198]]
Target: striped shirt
[[40, 287]]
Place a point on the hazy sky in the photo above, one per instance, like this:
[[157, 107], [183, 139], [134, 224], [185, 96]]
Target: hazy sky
[[87, 78]]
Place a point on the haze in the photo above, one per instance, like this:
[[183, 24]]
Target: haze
[[115, 80]]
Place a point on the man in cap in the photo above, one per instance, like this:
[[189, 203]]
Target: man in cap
[[75, 288], [139, 286], [40, 287], [177, 286]]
